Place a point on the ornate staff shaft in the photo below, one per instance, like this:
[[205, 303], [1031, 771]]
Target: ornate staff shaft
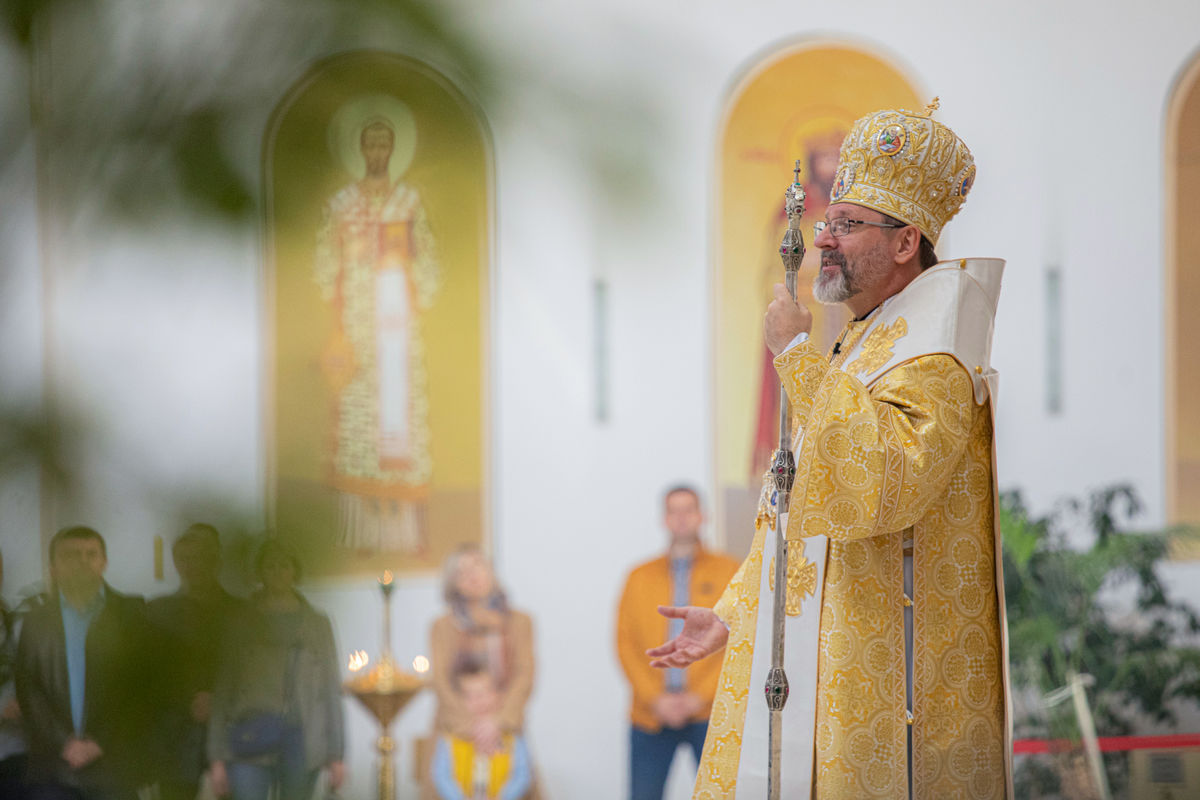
[[783, 470]]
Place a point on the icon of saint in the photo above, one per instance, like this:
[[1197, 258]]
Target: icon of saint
[[376, 266]]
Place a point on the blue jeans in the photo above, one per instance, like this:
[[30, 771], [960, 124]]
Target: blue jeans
[[250, 781], [254, 781], [290, 772], [651, 754]]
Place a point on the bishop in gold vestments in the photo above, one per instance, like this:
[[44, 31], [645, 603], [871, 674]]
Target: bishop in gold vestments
[[895, 645]]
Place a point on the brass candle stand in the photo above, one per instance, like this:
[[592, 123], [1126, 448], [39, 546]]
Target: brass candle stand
[[384, 691]]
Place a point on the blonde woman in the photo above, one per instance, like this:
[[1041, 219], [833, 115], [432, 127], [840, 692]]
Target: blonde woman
[[480, 625]]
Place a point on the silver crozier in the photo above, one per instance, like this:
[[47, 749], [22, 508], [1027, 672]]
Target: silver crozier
[[783, 469]]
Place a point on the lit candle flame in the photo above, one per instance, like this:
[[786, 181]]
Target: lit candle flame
[[421, 664], [358, 660], [386, 580]]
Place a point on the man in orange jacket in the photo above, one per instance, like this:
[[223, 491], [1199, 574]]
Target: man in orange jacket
[[670, 707]]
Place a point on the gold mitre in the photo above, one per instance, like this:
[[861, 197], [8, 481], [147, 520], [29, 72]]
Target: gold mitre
[[906, 165]]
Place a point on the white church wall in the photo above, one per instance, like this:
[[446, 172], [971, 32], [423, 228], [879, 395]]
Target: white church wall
[[156, 347], [21, 340], [1065, 127], [20, 371]]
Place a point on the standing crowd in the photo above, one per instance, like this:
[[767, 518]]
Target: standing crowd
[[110, 694], [105, 696]]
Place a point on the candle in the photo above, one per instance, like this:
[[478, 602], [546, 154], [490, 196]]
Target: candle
[[386, 585]]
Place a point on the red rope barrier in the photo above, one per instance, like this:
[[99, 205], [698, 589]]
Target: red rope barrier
[[1108, 744]]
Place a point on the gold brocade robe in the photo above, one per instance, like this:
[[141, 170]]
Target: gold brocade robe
[[906, 462]]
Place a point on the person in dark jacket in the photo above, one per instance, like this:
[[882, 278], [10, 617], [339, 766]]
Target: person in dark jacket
[[82, 679], [192, 624], [276, 717]]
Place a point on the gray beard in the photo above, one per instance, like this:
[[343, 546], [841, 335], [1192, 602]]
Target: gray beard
[[833, 289], [869, 270]]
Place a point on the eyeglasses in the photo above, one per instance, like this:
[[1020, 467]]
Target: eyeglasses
[[841, 226]]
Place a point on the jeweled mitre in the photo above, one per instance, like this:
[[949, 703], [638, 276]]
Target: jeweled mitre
[[906, 165]]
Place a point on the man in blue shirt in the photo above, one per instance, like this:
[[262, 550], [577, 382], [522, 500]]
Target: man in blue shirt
[[81, 679], [668, 708]]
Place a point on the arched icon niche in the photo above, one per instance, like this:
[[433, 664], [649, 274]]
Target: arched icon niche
[[377, 172], [796, 102], [1182, 298]]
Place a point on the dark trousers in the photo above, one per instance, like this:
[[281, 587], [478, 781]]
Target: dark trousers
[[177, 790], [50, 779], [12, 777], [651, 754], [183, 760], [57, 791]]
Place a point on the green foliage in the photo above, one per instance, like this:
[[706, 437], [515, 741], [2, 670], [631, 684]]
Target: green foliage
[[35, 438], [1059, 622], [18, 16], [1062, 572], [146, 112], [143, 116]]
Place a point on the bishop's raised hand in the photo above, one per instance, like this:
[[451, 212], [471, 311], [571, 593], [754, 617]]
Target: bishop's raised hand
[[703, 634]]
